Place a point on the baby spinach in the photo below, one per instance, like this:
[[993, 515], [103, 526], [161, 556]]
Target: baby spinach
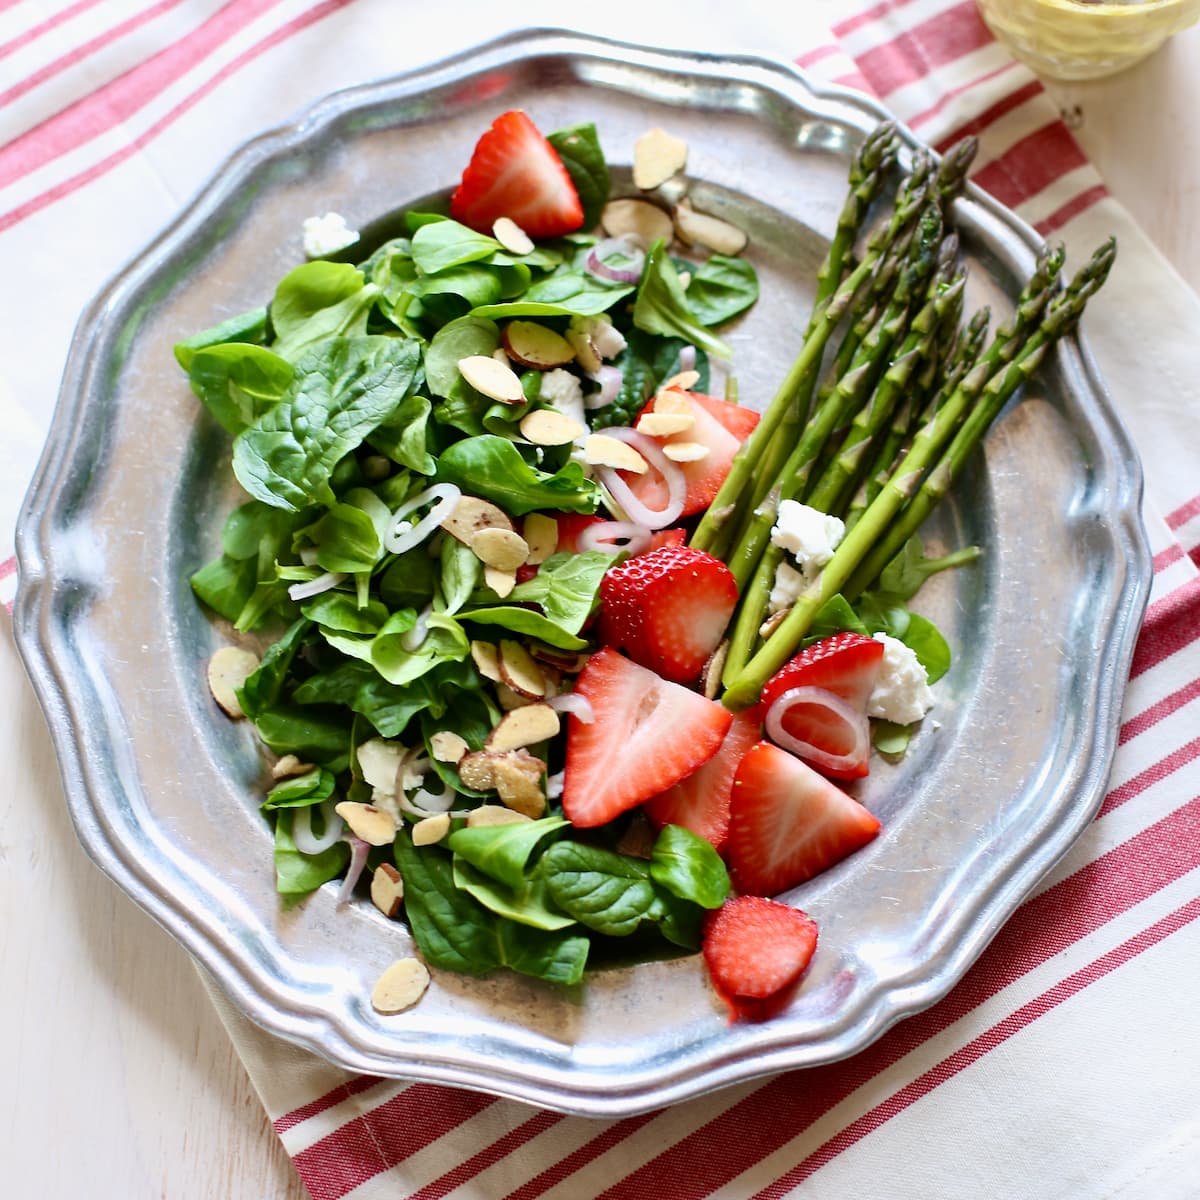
[[579, 148], [610, 893], [504, 851], [238, 382], [439, 245], [296, 874], [319, 300], [526, 904], [566, 587], [250, 327], [720, 288], [312, 787], [662, 305], [492, 467], [688, 867]]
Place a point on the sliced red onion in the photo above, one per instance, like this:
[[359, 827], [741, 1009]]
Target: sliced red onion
[[573, 702], [434, 802], [303, 837], [687, 358], [399, 536], [554, 785], [411, 641], [613, 537], [672, 475], [358, 860], [308, 556], [841, 708], [314, 587], [624, 246], [610, 379]]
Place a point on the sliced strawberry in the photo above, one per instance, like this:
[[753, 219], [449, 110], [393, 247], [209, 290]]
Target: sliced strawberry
[[570, 526], [666, 537], [645, 736], [756, 950], [668, 608], [701, 801], [739, 420], [846, 664], [788, 823], [514, 172]]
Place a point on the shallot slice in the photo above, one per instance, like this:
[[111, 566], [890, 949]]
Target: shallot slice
[[573, 702], [610, 379], [303, 837], [671, 473], [314, 587], [358, 860], [840, 709], [400, 536], [597, 260], [613, 537]]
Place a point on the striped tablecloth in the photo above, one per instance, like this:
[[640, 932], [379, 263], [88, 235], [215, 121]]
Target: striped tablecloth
[[1066, 1062]]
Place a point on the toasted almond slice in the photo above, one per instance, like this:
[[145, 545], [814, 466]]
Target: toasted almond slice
[[501, 582], [601, 450], [682, 452], [288, 767], [472, 514], [537, 346], [511, 236], [524, 726], [684, 381], [508, 699], [657, 155], [504, 549], [569, 662], [373, 825], [710, 677], [486, 657], [430, 829], [400, 986], [637, 218], [586, 354], [387, 889], [698, 228], [493, 814], [673, 401], [541, 535], [520, 672], [492, 378], [549, 427], [447, 746], [656, 424], [228, 669]]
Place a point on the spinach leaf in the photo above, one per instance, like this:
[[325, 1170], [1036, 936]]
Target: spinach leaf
[[567, 587], [248, 327], [720, 288], [225, 585], [340, 612], [319, 300], [662, 307], [263, 688], [688, 867], [504, 851], [238, 382], [906, 574], [461, 571], [565, 293], [439, 245], [526, 904], [525, 622], [409, 580], [444, 640], [342, 392], [312, 787], [890, 738], [646, 361], [296, 874], [310, 734], [579, 148], [492, 467], [607, 892], [402, 436], [457, 340], [925, 640], [345, 539]]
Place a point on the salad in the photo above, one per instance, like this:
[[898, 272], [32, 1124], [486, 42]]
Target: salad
[[569, 659]]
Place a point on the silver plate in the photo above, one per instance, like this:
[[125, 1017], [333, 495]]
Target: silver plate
[[135, 481]]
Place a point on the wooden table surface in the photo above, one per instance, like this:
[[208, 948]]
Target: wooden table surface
[[121, 1080]]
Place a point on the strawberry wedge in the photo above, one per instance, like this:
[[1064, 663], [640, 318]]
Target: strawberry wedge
[[646, 734], [788, 823]]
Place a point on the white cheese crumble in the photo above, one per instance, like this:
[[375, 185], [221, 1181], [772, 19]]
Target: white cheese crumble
[[564, 392], [608, 340], [902, 693], [807, 534], [789, 583], [327, 235]]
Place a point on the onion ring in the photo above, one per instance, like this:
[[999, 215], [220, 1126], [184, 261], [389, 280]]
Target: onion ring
[[610, 379], [314, 587], [855, 721], [595, 263], [358, 860], [399, 537], [303, 837], [671, 473], [573, 702], [605, 535]]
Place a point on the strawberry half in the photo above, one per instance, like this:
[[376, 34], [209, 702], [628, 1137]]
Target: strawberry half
[[701, 801], [645, 736], [846, 664], [514, 172], [668, 608], [788, 823], [719, 426], [755, 950]]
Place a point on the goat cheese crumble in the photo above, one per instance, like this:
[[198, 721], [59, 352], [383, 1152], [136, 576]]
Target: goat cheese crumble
[[902, 693], [810, 537], [327, 235]]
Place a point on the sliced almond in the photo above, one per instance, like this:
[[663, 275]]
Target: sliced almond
[[520, 672], [373, 825], [486, 658], [682, 452], [447, 746], [508, 699], [541, 536], [501, 582], [710, 677], [683, 381], [569, 662], [524, 726], [504, 549], [773, 622], [515, 774], [586, 354], [697, 228], [656, 424], [288, 767], [429, 830], [549, 427], [536, 346], [387, 889], [673, 401], [471, 515], [511, 236], [400, 986], [493, 814], [631, 217], [657, 155], [492, 378], [601, 450], [228, 669]]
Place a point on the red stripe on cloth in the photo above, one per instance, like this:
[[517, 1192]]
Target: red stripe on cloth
[[1155, 773], [384, 1136], [67, 187], [786, 1105], [1165, 558], [1184, 513], [340, 1094], [1156, 712], [8, 567], [1031, 165], [1170, 624], [915, 53], [817, 54], [991, 114], [1060, 216], [954, 93], [80, 52], [51, 22], [119, 99], [974, 1050], [856, 80]]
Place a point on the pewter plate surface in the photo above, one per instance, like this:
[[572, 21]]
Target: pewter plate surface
[[135, 482]]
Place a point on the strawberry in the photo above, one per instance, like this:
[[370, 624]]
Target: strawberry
[[701, 801], [645, 736], [845, 663], [755, 950], [717, 425], [788, 823], [514, 172], [668, 608]]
